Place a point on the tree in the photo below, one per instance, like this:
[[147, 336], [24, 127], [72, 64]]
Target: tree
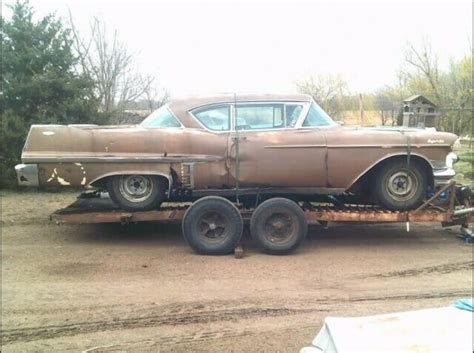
[[327, 90], [425, 63], [108, 62], [384, 105], [450, 89], [39, 83]]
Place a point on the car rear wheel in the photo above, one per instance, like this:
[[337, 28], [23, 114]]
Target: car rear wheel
[[278, 226], [137, 192], [212, 226], [398, 187]]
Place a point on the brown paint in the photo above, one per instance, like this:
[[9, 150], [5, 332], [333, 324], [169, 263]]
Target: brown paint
[[328, 157]]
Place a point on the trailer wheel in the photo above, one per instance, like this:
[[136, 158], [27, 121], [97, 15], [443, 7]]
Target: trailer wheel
[[137, 192], [212, 226], [278, 226]]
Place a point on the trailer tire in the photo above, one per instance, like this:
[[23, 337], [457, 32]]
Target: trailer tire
[[212, 225], [278, 226], [137, 192]]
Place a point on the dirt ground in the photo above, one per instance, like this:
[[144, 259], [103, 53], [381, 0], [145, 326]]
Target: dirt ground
[[104, 288]]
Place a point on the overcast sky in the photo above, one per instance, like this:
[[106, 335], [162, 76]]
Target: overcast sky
[[226, 46]]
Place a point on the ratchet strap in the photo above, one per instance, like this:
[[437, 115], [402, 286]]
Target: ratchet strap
[[237, 152], [408, 170]]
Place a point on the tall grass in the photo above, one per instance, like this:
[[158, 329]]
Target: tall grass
[[464, 168]]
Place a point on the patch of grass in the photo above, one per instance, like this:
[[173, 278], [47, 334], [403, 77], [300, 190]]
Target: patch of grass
[[464, 168]]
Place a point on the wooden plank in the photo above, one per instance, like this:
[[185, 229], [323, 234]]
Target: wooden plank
[[355, 216]]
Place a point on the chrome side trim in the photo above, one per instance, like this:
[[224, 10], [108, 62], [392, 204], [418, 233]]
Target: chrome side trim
[[401, 145], [52, 158], [354, 146], [296, 146]]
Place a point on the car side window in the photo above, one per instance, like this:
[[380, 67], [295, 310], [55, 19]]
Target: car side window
[[161, 118], [215, 118], [317, 117], [259, 116]]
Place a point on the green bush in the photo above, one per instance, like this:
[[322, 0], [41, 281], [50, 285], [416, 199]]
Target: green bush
[[40, 83]]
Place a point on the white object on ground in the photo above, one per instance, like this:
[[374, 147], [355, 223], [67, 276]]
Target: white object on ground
[[432, 330]]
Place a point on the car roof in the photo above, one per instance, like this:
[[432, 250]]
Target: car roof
[[181, 106]]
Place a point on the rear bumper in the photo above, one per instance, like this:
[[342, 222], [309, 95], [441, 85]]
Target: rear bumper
[[443, 176], [27, 174]]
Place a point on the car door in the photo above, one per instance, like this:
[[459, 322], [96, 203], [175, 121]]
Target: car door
[[210, 143], [266, 149]]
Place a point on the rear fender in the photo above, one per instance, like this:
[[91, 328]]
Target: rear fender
[[103, 177]]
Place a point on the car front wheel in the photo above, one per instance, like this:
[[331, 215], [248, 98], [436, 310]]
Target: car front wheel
[[137, 192], [400, 187]]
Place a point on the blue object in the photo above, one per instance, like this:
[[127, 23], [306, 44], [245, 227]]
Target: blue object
[[464, 304]]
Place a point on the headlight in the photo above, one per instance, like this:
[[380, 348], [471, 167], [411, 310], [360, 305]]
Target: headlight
[[451, 158]]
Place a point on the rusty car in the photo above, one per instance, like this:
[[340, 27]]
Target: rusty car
[[249, 145]]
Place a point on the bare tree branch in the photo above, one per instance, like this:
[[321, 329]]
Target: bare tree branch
[[426, 63], [326, 90], [107, 61]]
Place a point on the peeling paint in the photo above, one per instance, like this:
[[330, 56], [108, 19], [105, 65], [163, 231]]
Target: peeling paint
[[55, 172], [62, 181]]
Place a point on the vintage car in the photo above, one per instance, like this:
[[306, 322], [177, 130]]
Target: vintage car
[[232, 145]]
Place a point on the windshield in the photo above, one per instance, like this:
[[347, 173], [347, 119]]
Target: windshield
[[161, 118], [317, 117]]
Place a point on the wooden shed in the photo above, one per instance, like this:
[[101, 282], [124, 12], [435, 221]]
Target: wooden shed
[[419, 111]]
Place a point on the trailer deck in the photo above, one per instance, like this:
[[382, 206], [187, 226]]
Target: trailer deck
[[448, 211]]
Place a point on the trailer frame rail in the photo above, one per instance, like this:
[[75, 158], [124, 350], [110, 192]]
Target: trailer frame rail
[[444, 207]]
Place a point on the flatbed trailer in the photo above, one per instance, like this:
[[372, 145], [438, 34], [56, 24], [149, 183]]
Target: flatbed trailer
[[445, 207]]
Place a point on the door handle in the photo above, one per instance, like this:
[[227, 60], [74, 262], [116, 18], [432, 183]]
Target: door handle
[[239, 138]]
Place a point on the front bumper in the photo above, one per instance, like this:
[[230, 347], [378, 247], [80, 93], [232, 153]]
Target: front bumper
[[445, 172], [443, 176], [27, 174]]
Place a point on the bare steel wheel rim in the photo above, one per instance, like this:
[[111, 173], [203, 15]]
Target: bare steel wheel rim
[[136, 188], [213, 226], [402, 185], [279, 227]]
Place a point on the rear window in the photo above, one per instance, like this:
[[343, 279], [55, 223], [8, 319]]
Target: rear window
[[317, 117], [216, 118], [161, 118]]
